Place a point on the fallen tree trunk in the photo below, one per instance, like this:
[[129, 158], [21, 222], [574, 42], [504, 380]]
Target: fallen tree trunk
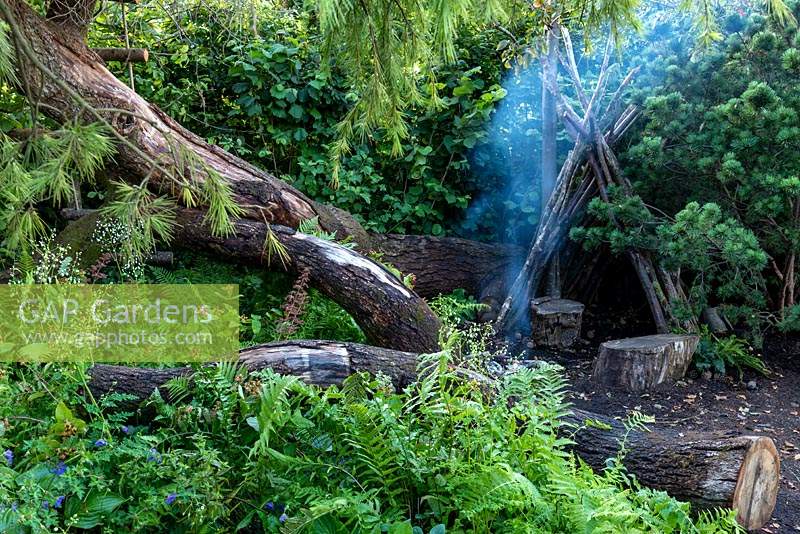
[[709, 470], [323, 363], [390, 314], [441, 265]]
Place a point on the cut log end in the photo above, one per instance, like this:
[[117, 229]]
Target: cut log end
[[710, 470], [757, 487]]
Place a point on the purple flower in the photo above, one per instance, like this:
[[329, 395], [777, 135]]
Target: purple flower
[[269, 506], [100, 443], [45, 505], [171, 498], [59, 501], [154, 456], [126, 429], [283, 518], [9, 456], [59, 469]]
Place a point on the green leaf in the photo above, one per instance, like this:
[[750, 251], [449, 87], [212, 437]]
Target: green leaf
[[253, 423], [91, 512], [62, 412], [401, 528], [103, 504]]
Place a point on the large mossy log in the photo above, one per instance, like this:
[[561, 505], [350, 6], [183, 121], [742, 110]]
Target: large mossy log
[[390, 314], [440, 265], [709, 470]]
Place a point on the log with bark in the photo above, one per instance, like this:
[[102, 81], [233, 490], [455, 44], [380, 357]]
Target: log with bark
[[390, 314], [708, 470], [729, 471], [441, 265], [322, 363]]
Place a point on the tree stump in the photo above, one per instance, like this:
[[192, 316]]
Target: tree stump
[[556, 322], [641, 363]]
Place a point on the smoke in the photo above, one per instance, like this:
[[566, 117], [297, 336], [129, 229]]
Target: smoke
[[508, 165]]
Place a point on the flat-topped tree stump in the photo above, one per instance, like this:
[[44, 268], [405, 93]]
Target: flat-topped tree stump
[[641, 363], [556, 322]]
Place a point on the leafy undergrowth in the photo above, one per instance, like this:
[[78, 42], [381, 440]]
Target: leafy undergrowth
[[264, 453]]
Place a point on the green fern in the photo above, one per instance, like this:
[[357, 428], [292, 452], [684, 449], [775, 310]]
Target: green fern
[[162, 276], [179, 389]]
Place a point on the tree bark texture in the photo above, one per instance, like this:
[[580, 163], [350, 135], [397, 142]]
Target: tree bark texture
[[642, 363], [390, 314], [443, 264], [148, 129], [322, 363], [709, 470], [555, 323], [440, 265], [134, 55]]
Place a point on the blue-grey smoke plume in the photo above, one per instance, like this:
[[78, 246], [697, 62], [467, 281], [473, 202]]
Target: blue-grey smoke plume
[[508, 163]]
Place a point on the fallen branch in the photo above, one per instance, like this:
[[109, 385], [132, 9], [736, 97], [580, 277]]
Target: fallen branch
[[132, 55], [322, 363]]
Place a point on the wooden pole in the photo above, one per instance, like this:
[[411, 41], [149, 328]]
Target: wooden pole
[[131, 55]]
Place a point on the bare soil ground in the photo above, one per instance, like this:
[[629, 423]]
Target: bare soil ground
[[720, 403]]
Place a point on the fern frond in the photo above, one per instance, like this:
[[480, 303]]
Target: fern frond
[[179, 389]]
